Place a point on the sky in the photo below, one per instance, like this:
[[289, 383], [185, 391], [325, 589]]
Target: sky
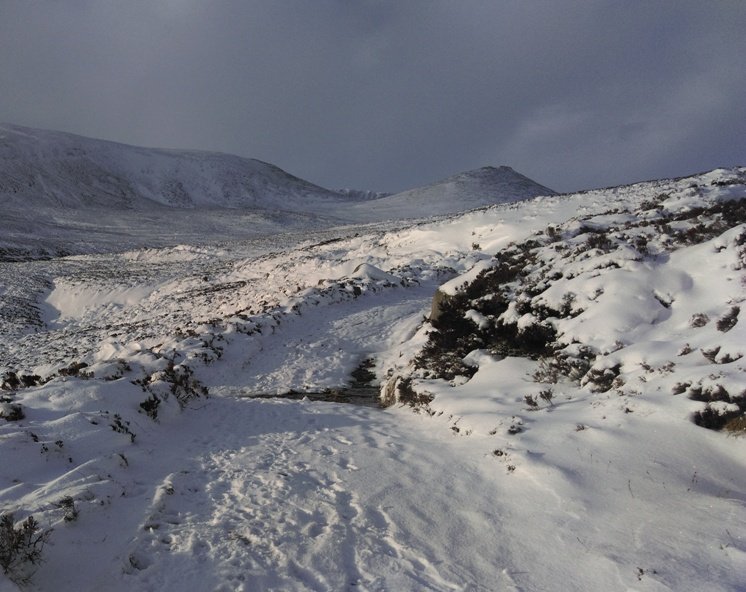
[[388, 95]]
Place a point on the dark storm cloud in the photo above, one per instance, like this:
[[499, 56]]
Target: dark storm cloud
[[391, 94]]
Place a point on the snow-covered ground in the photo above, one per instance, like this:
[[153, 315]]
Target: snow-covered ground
[[570, 465]]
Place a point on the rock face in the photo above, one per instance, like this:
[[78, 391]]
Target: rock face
[[439, 299]]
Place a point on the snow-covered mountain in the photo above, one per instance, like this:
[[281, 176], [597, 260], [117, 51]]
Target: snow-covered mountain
[[40, 168], [457, 193], [67, 194]]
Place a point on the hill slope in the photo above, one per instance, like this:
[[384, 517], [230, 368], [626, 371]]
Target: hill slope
[[458, 193], [67, 194], [47, 168]]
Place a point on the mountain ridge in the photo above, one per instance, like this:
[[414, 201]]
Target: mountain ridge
[[59, 169], [63, 193]]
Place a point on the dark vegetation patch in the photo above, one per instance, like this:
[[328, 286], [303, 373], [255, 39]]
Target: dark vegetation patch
[[714, 418], [722, 410], [573, 365], [150, 407], [399, 389], [363, 375], [122, 426], [13, 381], [705, 222], [599, 239], [481, 314], [407, 395], [11, 411], [602, 380], [75, 369], [729, 320], [698, 320], [174, 380], [21, 547], [70, 509], [454, 335]]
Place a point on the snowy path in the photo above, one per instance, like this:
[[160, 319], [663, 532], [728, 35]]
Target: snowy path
[[319, 349], [278, 495], [252, 495]]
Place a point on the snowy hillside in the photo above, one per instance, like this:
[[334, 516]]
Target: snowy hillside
[[565, 381], [40, 168], [64, 194], [461, 192]]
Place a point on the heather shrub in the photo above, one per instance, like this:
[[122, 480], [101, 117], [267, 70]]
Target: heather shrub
[[729, 320], [21, 547]]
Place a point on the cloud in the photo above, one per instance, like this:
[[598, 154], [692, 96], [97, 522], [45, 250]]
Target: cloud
[[387, 95]]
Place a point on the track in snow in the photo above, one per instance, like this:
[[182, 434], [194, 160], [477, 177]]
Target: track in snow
[[277, 495], [320, 348]]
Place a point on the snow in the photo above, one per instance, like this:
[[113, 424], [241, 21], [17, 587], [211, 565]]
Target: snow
[[479, 489], [64, 194], [59, 169], [464, 191]]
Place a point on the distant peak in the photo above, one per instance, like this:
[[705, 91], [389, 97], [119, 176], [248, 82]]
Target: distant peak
[[486, 173], [502, 167]]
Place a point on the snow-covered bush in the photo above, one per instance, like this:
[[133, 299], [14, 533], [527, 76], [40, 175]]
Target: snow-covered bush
[[698, 320], [601, 379], [487, 298], [150, 407], [363, 375], [21, 547], [12, 381], [75, 369], [570, 363], [729, 320], [122, 426], [400, 390], [563, 297], [67, 504], [599, 240], [722, 409], [11, 411], [175, 380]]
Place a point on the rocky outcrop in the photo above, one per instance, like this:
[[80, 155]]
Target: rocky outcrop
[[440, 300]]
